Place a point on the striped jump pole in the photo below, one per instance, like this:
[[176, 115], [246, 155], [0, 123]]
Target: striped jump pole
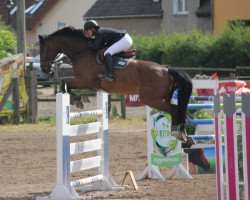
[[209, 98], [207, 106], [232, 181], [203, 137], [209, 121], [246, 143], [200, 121], [202, 98]]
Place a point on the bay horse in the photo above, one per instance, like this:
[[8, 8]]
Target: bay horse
[[154, 83]]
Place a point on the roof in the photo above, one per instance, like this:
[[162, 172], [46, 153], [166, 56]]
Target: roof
[[35, 11], [110, 9]]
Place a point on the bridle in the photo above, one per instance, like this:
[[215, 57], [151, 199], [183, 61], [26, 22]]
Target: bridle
[[71, 56]]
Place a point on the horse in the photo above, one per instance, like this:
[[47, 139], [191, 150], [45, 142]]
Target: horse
[[154, 83]]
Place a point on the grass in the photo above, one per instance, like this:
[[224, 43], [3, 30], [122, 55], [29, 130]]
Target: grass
[[26, 127], [49, 122]]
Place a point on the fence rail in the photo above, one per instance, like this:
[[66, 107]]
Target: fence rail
[[239, 72]]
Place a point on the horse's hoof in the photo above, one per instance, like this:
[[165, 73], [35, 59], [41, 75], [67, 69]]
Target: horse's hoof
[[85, 99], [190, 141], [183, 137], [179, 136], [79, 104], [175, 134]]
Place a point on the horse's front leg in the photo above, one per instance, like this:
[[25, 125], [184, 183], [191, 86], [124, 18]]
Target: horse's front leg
[[74, 83]]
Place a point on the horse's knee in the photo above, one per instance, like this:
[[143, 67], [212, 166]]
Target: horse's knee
[[76, 100]]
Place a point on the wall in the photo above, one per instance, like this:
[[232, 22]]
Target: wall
[[142, 26], [184, 23], [225, 10]]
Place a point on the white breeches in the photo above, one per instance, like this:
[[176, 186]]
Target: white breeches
[[122, 45]]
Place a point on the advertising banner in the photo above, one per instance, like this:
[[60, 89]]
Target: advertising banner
[[225, 86], [133, 101], [12, 67], [167, 149]]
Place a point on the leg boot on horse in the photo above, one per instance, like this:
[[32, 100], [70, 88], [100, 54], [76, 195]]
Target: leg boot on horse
[[179, 112]]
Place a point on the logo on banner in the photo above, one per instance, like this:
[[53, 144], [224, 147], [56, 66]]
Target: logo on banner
[[133, 101]]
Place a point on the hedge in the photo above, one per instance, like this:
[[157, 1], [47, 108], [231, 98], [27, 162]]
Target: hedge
[[228, 49]]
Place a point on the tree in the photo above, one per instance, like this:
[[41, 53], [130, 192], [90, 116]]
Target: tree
[[7, 41]]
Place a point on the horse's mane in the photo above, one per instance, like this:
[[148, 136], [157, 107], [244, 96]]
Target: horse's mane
[[70, 31]]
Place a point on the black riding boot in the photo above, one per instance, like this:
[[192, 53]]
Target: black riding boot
[[109, 76]]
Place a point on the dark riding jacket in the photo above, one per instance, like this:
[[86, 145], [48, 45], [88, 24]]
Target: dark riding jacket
[[105, 37]]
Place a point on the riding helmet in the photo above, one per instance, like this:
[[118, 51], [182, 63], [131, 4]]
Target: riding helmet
[[90, 24]]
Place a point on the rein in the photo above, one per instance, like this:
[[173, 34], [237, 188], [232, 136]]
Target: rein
[[71, 56]]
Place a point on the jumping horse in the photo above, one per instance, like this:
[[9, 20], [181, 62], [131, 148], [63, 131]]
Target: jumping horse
[[154, 83]]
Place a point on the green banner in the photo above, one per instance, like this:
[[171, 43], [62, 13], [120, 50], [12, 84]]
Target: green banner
[[168, 161]]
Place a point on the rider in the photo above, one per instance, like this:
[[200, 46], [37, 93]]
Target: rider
[[116, 41]]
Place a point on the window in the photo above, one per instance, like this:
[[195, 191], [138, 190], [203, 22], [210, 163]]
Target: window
[[180, 7], [247, 23], [240, 22]]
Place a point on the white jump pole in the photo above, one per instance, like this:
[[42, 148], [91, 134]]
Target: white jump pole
[[103, 181]]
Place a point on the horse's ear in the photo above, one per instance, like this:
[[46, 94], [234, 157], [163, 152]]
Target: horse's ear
[[41, 39]]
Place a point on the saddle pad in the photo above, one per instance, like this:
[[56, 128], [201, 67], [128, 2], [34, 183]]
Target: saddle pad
[[121, 63]]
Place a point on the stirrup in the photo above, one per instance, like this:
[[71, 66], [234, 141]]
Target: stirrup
[[103, 75], [110, 77]]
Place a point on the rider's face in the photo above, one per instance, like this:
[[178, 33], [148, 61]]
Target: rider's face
[[89, 33]]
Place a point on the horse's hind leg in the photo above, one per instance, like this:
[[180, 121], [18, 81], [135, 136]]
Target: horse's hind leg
[[173, 110]]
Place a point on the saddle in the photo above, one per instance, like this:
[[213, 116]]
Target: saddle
[[120, 60]]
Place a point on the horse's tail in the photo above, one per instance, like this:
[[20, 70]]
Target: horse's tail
[[184, 85]]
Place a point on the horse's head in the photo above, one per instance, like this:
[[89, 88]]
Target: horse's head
[[48, 53]]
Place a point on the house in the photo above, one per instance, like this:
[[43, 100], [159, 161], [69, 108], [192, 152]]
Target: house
[[135, 16], [46, 16], [186, 15], [228, 10], [153, 16]]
